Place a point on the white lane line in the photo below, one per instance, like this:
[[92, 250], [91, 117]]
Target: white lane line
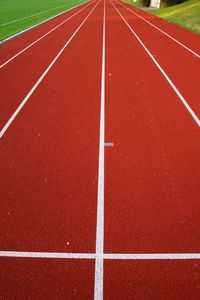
[[39, 13], [98, 284], [111, 256], [194, 116], [42, 77], [153, 256], [39, 39], [38, 24], [47, 255], [169, 36]]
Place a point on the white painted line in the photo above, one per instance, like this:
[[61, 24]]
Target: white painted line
[[42, 76], [162, 71], [108, 144], [153, 256], [169, 36], [111, 256], [38, 24], [39, 39], [47, 255], [98, 284]]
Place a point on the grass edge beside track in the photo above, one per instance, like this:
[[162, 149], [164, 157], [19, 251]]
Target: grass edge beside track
[[185, 14], [31, 23]]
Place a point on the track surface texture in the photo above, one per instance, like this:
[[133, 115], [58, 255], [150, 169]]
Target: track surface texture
[[99, 155]]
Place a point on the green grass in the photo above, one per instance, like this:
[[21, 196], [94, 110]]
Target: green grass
[[186, 14], [13, 10], [136, 4]]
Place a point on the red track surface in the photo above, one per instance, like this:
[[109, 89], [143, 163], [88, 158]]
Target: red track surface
[[46, 279], [50, 154], [151, 280], [152, 194]]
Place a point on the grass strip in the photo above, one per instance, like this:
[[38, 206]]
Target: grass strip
[[17, 15], [186, 14]]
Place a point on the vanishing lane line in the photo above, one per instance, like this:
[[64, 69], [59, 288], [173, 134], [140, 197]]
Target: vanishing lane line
[[111, 256], [42, 76], [165, 33], [39, 13], [98, 284], [194, 116], [38, 24], [39, 39]]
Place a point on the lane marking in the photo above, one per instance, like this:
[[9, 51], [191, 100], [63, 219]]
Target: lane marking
[[42, 76], [39, 13], [38, 24], [194, 116], [98, 284], [108, 144], [153, 256], [168, 35], [47, 255], [111, 256], [39, 39]]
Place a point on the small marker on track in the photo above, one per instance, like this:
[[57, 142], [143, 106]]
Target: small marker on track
[[108, 144]]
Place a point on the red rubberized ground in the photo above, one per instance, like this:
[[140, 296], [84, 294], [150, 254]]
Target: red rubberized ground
[[51, 156], [46, 279], [50, 153], [152, 190], [151, 280], [183, 68]]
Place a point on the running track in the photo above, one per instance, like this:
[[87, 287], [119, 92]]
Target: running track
[[100, 167]]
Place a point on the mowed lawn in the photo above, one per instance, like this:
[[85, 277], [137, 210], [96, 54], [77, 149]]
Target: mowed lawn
[[186, 14], [17, 15]]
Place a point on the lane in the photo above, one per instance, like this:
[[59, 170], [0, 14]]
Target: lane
[[46, 279], [184, 36], [19, 77], [49, 156], [181, 66], [151, 173]]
